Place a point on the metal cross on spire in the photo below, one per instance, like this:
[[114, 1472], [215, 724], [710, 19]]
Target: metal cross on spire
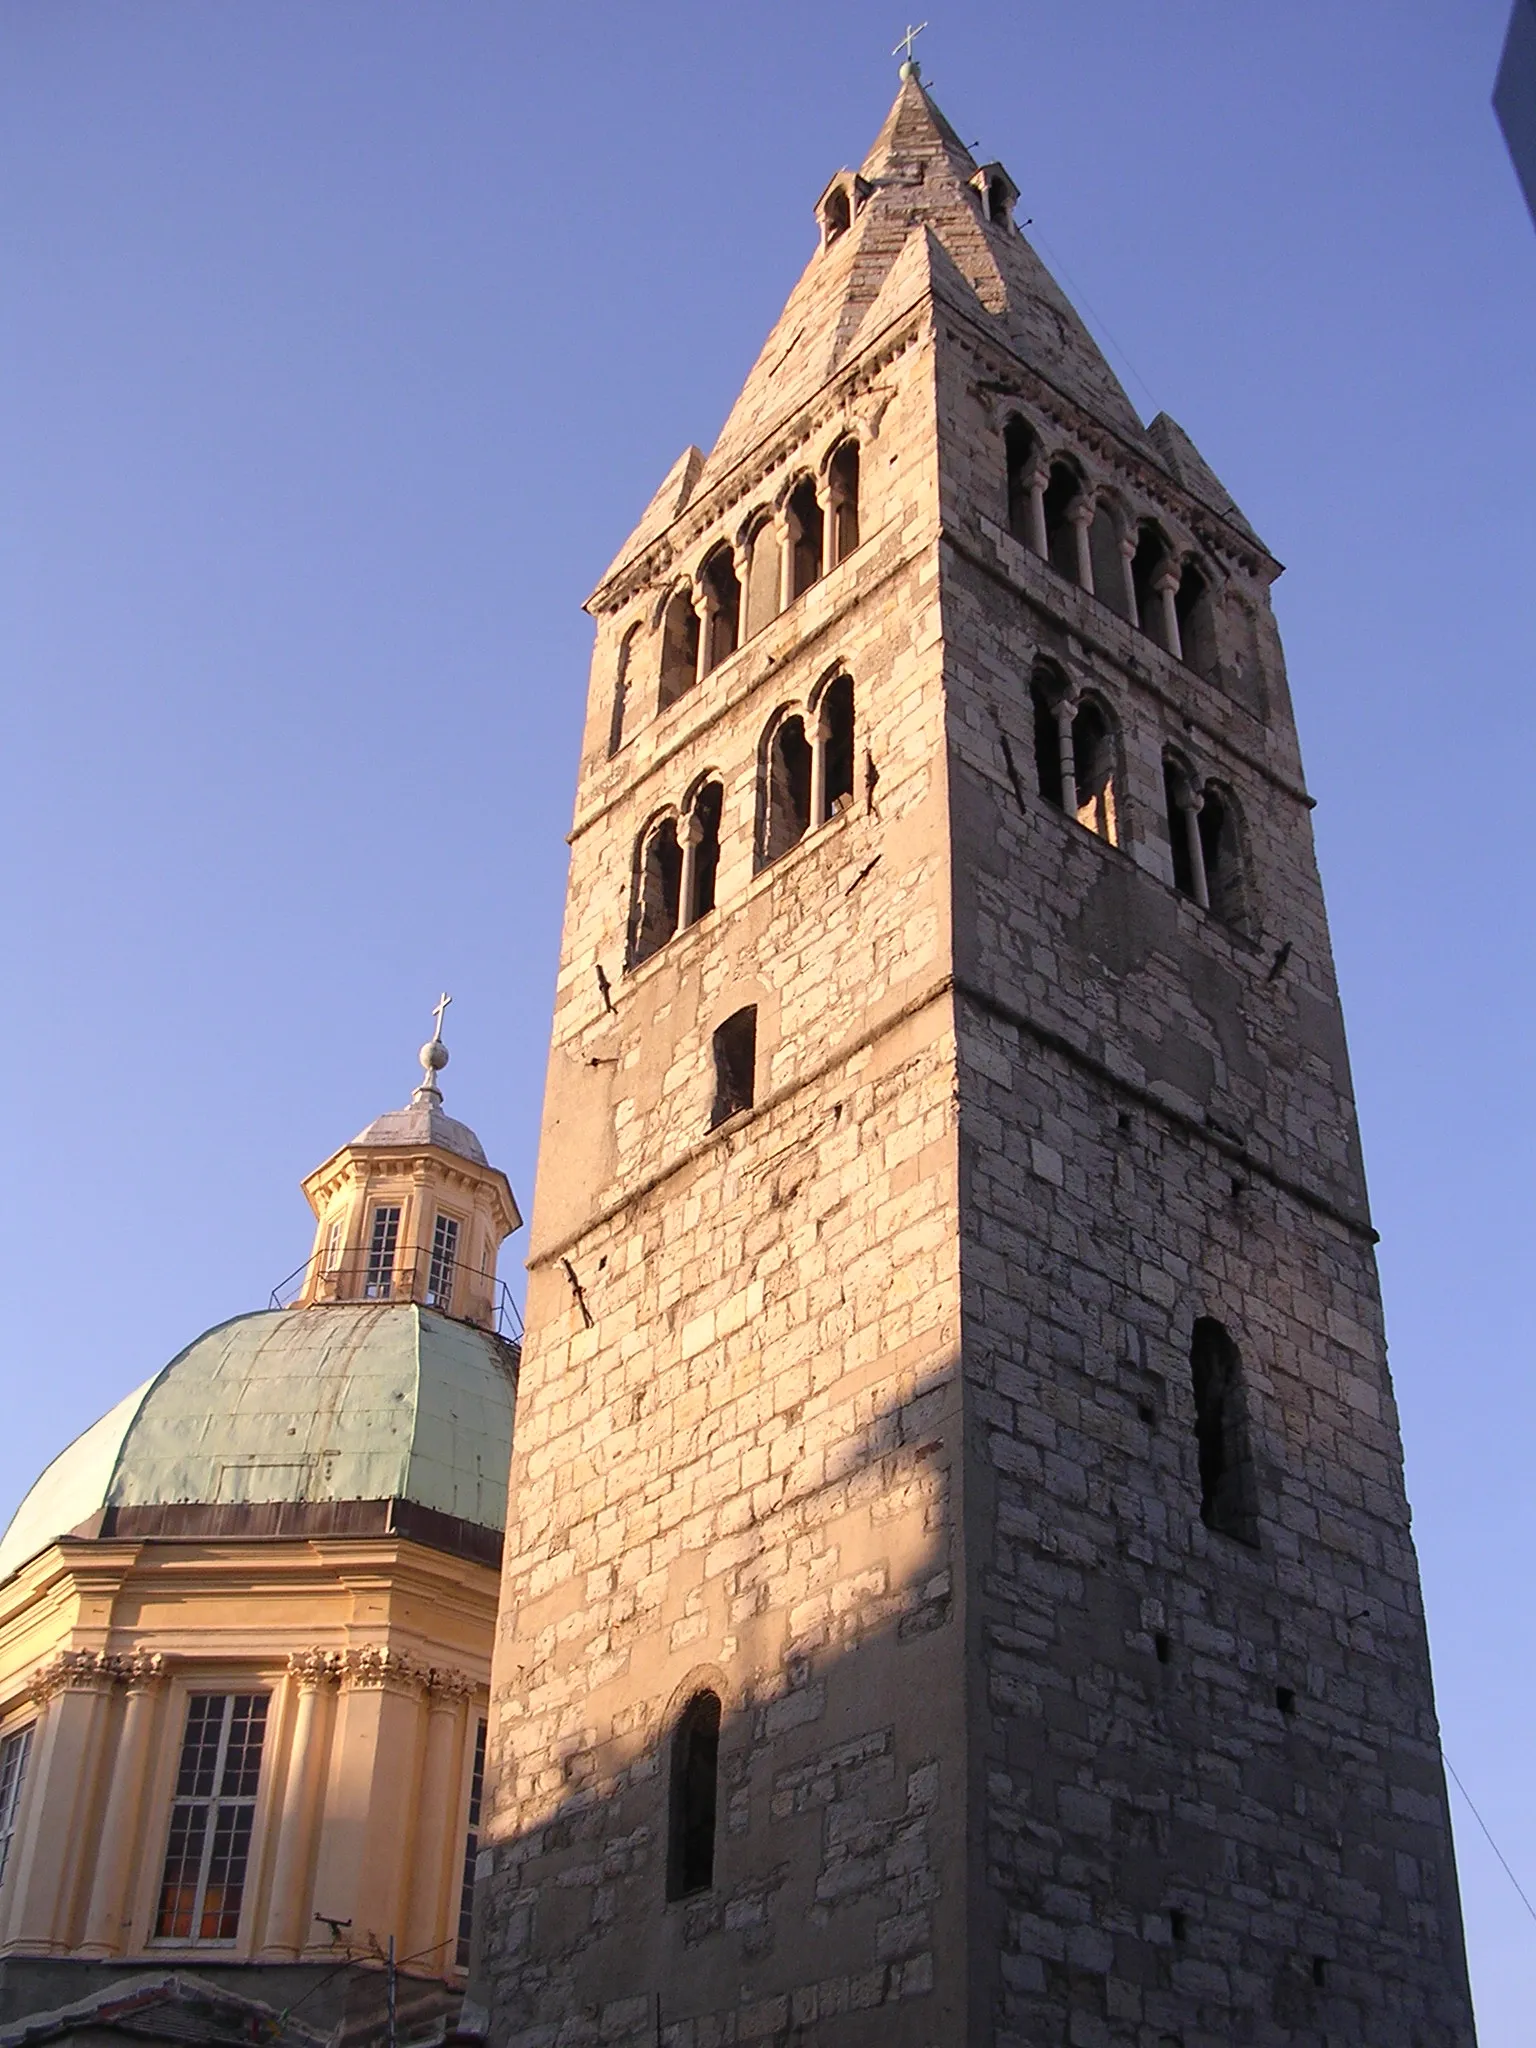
[[433, 1056], [909, 67]]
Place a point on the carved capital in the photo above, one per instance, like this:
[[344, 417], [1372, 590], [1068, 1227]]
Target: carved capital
[[451, 1686], [315, 1667], [142, 1670], [376, 1665], [73, 1671]]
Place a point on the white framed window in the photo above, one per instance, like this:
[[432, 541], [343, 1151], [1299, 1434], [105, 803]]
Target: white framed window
[[383, 1242], [331, 1257], [471, 1848], [445, 1257], [15, 1751], [212, 1815]]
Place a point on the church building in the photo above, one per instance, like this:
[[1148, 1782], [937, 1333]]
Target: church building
[[245, 1637], [958, 1583]]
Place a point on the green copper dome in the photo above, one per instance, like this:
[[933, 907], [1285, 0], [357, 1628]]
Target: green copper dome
[[375, 1418]]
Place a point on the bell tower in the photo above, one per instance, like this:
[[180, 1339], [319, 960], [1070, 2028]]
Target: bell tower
[[958, 1580]]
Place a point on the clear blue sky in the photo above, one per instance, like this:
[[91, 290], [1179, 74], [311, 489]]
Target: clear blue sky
[[341, 345]]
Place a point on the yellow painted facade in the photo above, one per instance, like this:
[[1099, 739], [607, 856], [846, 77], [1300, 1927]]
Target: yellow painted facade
[[246, 1621], [374, 1657]]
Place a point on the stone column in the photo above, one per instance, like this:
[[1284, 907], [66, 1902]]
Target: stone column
[[819, 740], [75, 1691], [365, 1845], [439, 1842], [107, 1924], [825, 500], [288, 1916], [1065, 708], [1191, 803], [1036, 484], [786, 541], [1128, 555], [704, 611], [692, 837], [1165, 583], [1080, 518]]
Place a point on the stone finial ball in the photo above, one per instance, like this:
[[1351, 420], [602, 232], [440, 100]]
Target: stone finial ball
[[434, 1055]]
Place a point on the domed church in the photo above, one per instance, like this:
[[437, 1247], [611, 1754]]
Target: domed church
[[245, 1633]]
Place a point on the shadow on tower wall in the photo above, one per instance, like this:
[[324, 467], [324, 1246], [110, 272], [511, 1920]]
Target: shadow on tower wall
[[830, 1631], [1024, 1801]]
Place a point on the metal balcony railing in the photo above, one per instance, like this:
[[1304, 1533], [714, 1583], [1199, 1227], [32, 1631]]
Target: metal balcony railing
[[415, 1273]]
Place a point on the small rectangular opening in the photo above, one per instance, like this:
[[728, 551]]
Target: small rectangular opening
[[735, 1048], [1285, 1700]]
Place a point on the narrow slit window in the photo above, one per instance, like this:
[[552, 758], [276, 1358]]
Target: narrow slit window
[[1061, 494], [445, 1258], [1197, 627], [694, 1796], [1108, 561], [383, 1243], [679, 649], [787, 796], [843, 480], [735, 1050], [1019, 452], [1223, 861], [335, 1235], [211, 1818], [658, 887], [617, 716], [762, 603], [1148, 559], [1174, 783], [837, 739], [704, 831], [1093, 760], [1228, 1501], [471, 1850], [805, 538], [15, 1753], [723, 603]]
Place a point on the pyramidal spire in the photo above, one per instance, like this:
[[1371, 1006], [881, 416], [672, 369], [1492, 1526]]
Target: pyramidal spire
[[918, 180]]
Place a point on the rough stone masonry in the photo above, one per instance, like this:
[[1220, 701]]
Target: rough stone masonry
[[958, 1583]]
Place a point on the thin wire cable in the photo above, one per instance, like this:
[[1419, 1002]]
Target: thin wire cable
[[1493, 1845], [1079, 298]]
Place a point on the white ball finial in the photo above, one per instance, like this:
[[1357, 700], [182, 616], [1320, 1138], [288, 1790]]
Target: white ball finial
[[434, 1055]]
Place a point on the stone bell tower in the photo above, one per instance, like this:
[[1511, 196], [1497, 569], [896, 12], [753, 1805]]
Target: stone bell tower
[[958, 1581]]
